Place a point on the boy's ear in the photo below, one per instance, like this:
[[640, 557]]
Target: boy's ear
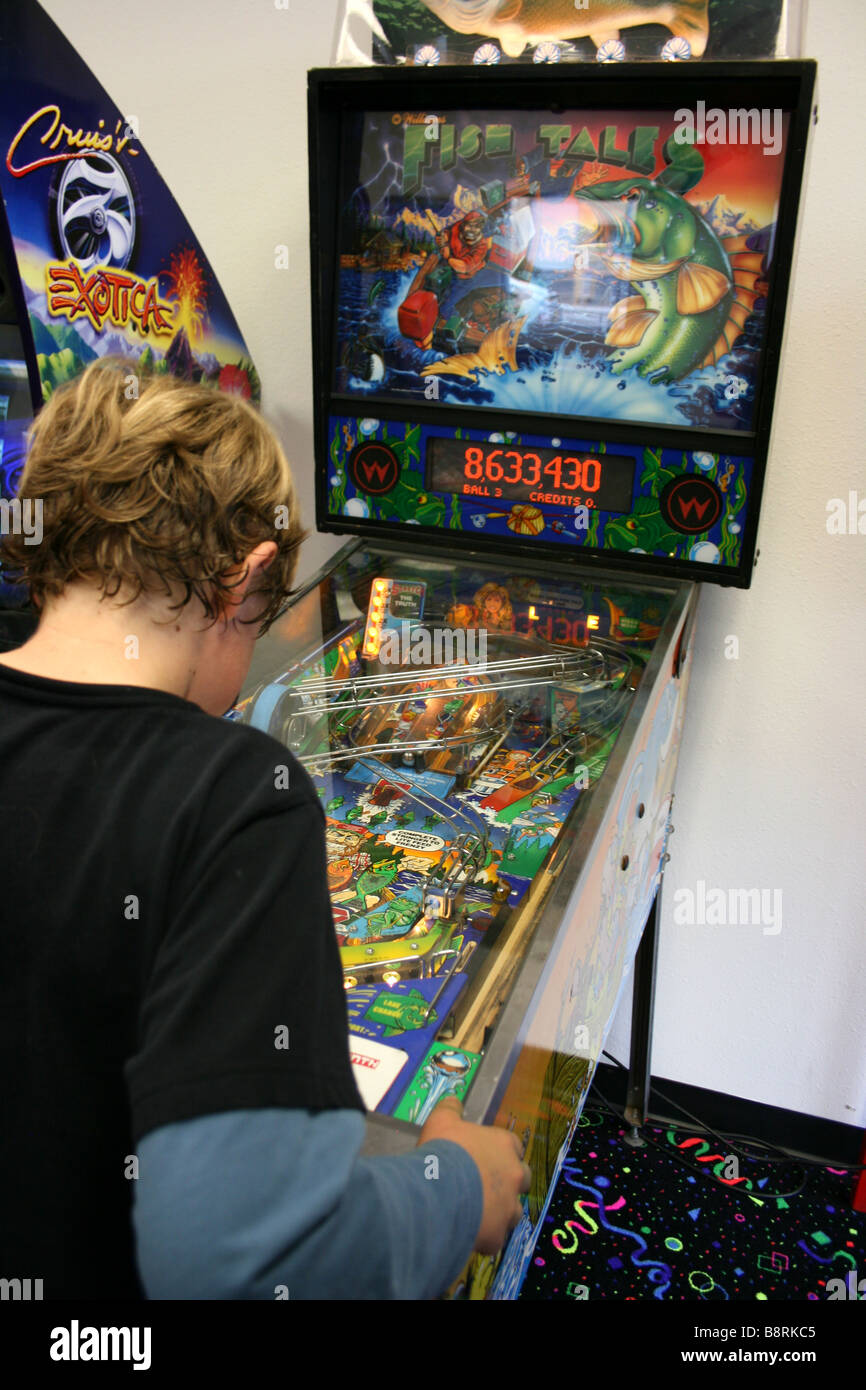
[[252, 567], [262, 556], [259, 560]]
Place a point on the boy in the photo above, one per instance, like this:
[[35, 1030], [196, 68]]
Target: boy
[[165, 915]]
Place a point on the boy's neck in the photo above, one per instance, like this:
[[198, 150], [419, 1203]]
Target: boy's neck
[[86, 640], [152, 641]]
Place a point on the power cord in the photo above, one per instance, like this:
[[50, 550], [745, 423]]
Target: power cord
[[726, 1141], [686, 1163], [787, 1156]]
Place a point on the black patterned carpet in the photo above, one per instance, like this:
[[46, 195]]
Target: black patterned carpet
[[680, 1219]]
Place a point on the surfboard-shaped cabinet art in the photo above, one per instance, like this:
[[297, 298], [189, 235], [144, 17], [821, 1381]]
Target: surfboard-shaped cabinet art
[[96, 257]]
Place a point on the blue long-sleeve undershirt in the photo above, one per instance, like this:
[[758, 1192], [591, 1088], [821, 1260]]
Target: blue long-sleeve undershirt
[[273, 1203]]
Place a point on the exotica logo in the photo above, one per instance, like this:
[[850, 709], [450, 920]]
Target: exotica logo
[[115, 295], [737, 126]]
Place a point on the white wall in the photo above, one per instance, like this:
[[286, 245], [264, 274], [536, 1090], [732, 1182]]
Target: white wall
[[773, 765]]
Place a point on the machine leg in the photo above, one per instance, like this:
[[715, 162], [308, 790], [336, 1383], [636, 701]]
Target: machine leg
[[643, 1003]]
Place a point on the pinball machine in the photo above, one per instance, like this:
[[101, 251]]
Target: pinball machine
[[548, 314], [547, 324]]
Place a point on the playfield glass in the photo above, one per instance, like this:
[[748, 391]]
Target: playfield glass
[[454, 720]]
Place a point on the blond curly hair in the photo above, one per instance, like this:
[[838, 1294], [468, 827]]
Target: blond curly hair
[[148, 483]]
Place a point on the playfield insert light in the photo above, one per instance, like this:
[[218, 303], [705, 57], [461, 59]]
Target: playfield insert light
[[394, 605], [344, 660], [592, 622], [375, 617]]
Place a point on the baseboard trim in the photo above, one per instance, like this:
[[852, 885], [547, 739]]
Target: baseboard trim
[[806, 1135]]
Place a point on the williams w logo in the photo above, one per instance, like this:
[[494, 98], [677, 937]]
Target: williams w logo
[[691, 504], [374, 472], [373, 468], [21, 1290]]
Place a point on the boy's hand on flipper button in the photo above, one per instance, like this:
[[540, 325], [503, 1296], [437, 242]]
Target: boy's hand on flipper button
[[498, 1156]]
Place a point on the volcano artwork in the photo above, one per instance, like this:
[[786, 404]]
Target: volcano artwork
[[595, 265]]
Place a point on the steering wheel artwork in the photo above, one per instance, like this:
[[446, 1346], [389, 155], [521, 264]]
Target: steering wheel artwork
[[95, 218]]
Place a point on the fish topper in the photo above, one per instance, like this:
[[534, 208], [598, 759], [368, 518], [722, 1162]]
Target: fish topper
[[425, 33]]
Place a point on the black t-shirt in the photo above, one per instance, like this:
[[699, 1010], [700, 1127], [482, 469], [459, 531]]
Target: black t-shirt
[[166, 951]]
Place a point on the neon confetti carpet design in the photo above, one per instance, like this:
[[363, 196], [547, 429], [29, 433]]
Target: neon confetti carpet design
[[628, 1223]]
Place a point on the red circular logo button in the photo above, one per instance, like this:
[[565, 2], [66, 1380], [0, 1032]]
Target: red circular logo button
[[373, 468], [690, 504]]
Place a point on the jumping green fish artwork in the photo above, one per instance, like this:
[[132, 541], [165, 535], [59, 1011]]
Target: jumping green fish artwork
[[694, 289]]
